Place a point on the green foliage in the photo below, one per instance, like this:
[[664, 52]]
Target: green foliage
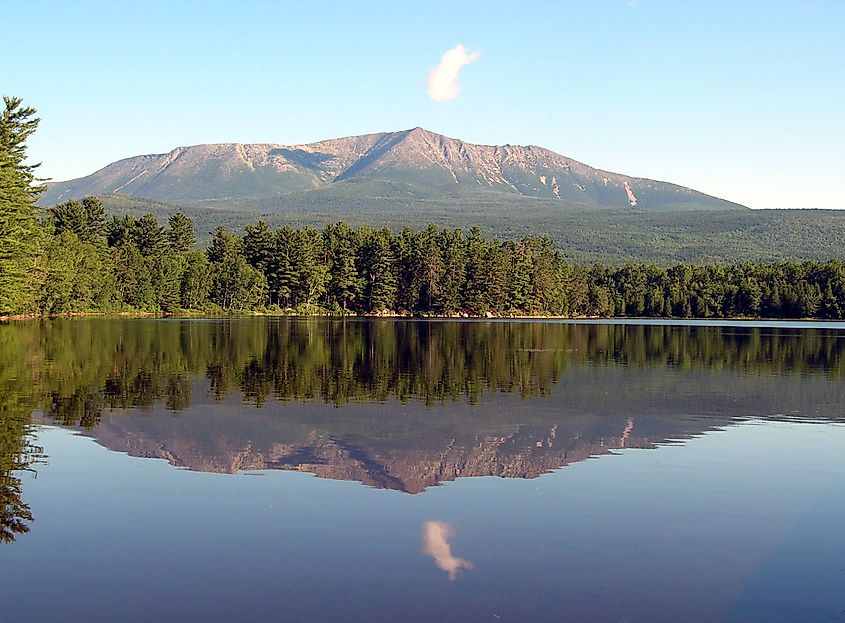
[[134, 281], [378, 267], [137, 264], [20, 233], [584, 235], [195, 286], [149, 236], [181, 233], [78, 277], [86, 219], [120, 230]]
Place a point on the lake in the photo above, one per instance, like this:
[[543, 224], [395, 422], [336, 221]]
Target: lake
[[404, 470]]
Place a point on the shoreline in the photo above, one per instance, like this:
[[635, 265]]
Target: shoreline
[[187, 314]]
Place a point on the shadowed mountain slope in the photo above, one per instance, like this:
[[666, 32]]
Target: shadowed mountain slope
[[409, 166]]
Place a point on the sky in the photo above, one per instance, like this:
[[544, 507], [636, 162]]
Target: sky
[[742, 100]]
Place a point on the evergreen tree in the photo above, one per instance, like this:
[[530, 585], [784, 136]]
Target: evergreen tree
[[519, 283], [181, 234], [166, 274], [283, 279], [86, 219], [132, 275], [344, 282], [224, 244], [120, 230], [78, 276], [20, 232], [308, 256], [428, 267], [149, 236], [452, 278], [476, 279], [380, 273], [258, 244]]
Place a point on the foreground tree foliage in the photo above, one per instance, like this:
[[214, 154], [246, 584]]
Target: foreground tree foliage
[[87, 264], [19, 227]]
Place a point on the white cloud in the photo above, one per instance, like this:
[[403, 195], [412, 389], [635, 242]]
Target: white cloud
[[436, 536], [443, 84]]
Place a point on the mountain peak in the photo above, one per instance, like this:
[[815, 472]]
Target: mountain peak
[[407, 166]]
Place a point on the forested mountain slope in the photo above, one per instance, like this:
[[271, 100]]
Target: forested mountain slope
[[609, 236]]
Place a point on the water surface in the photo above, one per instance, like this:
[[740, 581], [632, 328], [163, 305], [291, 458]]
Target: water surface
[[379, 470]]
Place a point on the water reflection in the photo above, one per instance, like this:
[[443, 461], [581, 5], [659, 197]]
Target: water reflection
[[403, 405], [17, 454], [79, 367], [436, 537]]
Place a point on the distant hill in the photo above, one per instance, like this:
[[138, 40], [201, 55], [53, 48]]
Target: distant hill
[[611, 236], [411, 170]]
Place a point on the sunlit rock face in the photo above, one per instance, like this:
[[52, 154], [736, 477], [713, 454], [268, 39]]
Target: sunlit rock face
[[386, 164]]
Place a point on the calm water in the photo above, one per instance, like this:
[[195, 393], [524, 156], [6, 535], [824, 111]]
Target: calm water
[[310, 470]]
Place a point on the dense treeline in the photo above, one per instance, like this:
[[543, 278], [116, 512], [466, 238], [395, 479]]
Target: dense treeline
[[87, 263]]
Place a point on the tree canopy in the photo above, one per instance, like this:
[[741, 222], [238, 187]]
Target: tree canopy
[[19, 225]]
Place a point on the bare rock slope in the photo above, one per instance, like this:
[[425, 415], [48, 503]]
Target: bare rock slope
[[415, 165]]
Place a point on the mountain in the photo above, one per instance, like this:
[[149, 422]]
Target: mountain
[[409, 458], [410, 167]]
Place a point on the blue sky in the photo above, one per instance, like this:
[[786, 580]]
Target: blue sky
[[744, 100]]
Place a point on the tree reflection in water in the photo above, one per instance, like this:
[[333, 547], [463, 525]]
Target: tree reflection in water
[[77, 370]]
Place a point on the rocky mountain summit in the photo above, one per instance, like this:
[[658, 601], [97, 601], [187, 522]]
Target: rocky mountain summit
[[392, 460], [415, 165]]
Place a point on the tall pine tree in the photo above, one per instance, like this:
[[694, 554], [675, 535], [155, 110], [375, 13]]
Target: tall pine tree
[[20, 232]]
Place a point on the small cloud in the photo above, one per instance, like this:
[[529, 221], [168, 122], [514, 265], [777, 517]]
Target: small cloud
[[633, 3], [436, 537], [443, 84]]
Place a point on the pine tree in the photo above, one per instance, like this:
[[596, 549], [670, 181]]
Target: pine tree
[[181, 234], [166, 273], [380, 272], [120, 230], [86, 218], [476, 279], [344, 281], [452, 279], [132, 274], [519, 287], [283, 276], [224, 244], [149, 236], [429, 266], [20, 233], [259, 246], [308, 256]]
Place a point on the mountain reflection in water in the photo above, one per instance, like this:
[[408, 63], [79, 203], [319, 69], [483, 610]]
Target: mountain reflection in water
[[402, 405]]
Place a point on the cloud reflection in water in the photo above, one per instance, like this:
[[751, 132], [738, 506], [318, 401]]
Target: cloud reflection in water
[[436, 536]]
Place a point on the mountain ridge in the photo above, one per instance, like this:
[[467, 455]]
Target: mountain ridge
[[413, 164]]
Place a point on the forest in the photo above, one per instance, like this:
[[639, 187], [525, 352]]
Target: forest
[[85, 262], [73, 258]]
